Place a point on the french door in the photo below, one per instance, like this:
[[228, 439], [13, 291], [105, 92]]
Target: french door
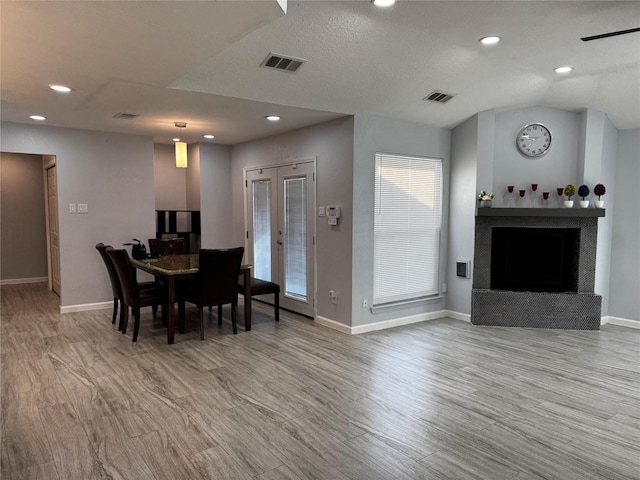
[[281, 230]]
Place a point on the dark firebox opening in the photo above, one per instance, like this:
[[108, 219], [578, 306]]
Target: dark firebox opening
[[535, 259]]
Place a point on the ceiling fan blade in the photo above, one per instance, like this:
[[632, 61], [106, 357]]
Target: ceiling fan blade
[[610, 34]]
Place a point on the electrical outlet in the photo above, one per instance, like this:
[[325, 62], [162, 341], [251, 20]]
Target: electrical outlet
[[365, 303], [333, 295], [83, 208]]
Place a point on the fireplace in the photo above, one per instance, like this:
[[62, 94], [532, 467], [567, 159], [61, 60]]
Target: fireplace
[[536, 268]]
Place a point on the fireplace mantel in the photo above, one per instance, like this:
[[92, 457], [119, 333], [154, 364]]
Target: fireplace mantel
[[540, 212]]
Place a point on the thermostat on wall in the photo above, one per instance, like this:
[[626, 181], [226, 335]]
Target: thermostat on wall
[[333, 212]]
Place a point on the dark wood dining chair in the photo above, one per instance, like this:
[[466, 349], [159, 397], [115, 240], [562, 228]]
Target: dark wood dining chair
[[216, 283], [133, 296], [166, 246], [262, 287], [116, 289]]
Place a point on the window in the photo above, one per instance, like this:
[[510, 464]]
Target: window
[[407, 224]]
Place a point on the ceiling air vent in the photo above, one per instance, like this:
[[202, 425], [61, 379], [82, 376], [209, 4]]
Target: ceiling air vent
[[439, 97], [126, 116], [280, 62]]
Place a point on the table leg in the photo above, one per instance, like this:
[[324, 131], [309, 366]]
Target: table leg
[[247, 299], [171, 309]]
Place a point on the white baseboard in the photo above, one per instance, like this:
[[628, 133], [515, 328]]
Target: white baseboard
[[465, 317], [382, 325], [327, 322], [18, 281], [621, 322], [86, 307]]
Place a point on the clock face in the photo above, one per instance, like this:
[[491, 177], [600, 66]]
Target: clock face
[[534, 140]]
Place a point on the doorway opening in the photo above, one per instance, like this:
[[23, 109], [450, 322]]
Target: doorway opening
[[30, 238]]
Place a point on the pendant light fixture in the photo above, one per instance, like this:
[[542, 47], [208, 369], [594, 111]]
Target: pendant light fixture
[[181, 155], [181, 149]]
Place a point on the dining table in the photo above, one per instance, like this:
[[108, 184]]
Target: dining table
[[173, 269]]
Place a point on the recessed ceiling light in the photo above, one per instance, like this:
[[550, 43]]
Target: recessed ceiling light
[[209, 136], [272, 118], [60, 88], [563, 69], [384, 3], [175, 139], [37, 117], [489, 40]]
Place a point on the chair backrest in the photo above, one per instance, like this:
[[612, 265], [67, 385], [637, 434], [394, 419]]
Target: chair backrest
[[166, 246], [126, 275], [218, 275], [113, 275]]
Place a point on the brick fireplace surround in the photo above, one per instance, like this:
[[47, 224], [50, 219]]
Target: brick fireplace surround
[[578, 310]]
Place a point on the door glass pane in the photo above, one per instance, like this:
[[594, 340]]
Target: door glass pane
[[261, 230], [295, 240]]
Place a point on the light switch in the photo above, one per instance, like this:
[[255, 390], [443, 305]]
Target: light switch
[[72, 208], [83, 208], [321, 211]]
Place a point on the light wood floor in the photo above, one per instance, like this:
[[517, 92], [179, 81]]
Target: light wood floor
[[290, 401]]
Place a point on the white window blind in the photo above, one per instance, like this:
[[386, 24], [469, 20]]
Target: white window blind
[[295, 240], [407, 224], [262, 229]]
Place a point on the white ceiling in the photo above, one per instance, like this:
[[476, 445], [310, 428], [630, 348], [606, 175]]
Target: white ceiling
[[199, 62]]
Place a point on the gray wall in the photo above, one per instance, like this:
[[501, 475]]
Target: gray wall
[[474, 152], [23, 241], [555, 169], [486, 150], [462, 205], [331, 143], [113, 174], [376, 134], [624, 289], [215, 197], [600, 140], [170, 182]]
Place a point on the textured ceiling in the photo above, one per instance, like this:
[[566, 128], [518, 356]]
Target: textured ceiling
[[199, 62]]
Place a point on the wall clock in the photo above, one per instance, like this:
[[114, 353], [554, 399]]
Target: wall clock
[[533, 140]]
